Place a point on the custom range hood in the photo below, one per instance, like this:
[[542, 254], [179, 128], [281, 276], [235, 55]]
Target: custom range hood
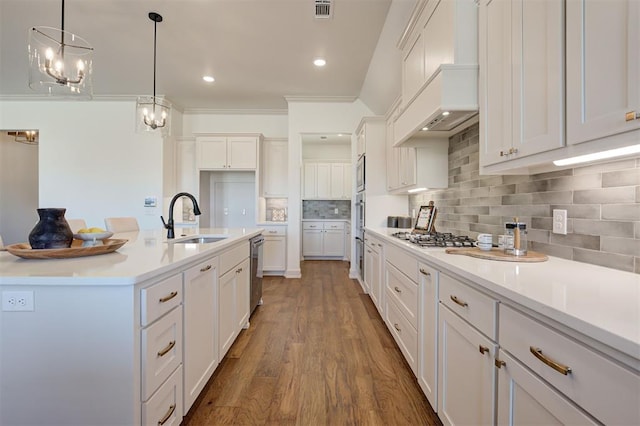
[[439, 72]]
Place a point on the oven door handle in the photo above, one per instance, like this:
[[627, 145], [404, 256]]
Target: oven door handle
[[359, 239]]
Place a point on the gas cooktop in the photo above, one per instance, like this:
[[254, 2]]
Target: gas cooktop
[[435, 239]]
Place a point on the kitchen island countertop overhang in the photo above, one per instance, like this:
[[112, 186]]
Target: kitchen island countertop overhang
[[146, 255]]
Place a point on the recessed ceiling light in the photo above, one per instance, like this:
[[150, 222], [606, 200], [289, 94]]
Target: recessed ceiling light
[[445, 113], [319, 62], [208, 79]]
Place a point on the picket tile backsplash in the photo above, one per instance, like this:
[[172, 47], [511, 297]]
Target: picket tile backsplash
[[602, 203]]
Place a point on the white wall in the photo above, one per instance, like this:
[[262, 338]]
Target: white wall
[[270, 125], [91, 160], [312, 117], [382, 84], [18, 189], [317, 151]]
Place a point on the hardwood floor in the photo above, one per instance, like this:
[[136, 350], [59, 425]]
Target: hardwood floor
[[316, 353]]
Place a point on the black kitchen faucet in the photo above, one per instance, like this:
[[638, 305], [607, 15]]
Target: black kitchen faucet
[[169, 225]]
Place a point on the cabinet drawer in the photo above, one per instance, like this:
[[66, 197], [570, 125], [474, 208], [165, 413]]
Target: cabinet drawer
[[403, 332], [478, 309], [404, 292], [312, 225], [403, 261], [160, 298], [161, 350], [333, 225], [233, 256], [274, 231], [601, 387], [165, 406]]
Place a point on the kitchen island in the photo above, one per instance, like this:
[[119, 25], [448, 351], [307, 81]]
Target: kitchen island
[[129, 337], [484, 336]]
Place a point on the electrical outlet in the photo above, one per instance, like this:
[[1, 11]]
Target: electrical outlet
[[17, 301], [559, 221], [335, 211]]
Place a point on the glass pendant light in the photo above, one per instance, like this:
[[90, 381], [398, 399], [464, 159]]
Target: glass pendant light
[[153, 113], [59, 62]]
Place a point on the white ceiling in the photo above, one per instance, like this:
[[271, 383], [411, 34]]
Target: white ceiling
[[259, 51]]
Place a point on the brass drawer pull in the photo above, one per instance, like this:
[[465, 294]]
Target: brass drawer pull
[[167, 416], [397, 289], [499, 363], [170, 346], [205, 269], [537, 352], [458, 301], [483, 349], [423, 272], [238, 270], [169, 297], [397, 327]]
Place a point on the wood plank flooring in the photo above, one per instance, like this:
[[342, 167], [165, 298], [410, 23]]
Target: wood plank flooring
[[316, 353]]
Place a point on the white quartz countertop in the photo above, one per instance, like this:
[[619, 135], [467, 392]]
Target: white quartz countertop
[[146, 254], [326, 220], [599, 302]]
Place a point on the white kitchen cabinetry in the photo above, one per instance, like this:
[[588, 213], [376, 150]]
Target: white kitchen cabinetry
[[373, 276], [466, 352], [200, 328], [361, 140], [323, 239], [401, 302], [227, 152], [274, 251], [233, 296], [548, 374], [428, 335], [275, 167], [603, 65], [522, 68], [327, 181]]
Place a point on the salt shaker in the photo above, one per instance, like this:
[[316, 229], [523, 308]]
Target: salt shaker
[[515, 238]]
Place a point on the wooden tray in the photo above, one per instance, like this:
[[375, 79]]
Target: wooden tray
[[498, 254], [25, 251]]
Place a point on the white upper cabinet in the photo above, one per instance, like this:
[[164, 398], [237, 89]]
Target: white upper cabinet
[[603, 70], [521, 69], [227, 152], [327, 181], [275, 168]]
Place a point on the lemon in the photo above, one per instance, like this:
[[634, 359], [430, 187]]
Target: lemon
[[84, 231], [96, 230]]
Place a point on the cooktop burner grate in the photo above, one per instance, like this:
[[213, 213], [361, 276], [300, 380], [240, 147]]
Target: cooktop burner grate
[[436, 239]]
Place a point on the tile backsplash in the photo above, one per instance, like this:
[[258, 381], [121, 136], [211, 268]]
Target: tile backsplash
[[326, 209], [602, 202]]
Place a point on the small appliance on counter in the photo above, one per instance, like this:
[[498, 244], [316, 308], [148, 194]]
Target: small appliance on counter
[[404, 222], [515, 241], [392, 221]]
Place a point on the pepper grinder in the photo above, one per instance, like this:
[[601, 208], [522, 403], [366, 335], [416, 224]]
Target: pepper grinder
[[516, 241]]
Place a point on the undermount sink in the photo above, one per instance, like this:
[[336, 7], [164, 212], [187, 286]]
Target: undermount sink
[[199, 240]]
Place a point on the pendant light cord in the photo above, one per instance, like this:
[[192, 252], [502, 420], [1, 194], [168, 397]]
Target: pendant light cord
[[155, 32], [62, 32]]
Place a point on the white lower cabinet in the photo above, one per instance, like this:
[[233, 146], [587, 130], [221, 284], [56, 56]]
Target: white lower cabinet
[[323, 239], [274, 251], [525, 399], [373, 275], [466, 373], [200, 328], [428, 335], [165, 406], [233, 296]]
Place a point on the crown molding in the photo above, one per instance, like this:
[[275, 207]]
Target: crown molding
[[100, 98], [214, 111], [349, 99]]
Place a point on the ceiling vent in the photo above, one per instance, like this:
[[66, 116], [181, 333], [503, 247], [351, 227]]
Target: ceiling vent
[[323, 9]]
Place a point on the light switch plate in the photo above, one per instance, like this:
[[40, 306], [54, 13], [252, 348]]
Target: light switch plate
[[560, 221]]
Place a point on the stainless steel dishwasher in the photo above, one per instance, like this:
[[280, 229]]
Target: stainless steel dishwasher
[[256, 271]]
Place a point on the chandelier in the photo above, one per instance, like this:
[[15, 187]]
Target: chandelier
[[59, 62], [153, 113], [29, 137]]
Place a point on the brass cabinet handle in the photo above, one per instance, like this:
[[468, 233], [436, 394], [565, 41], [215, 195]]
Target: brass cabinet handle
[[238, 270], [631, 115], [483, 349], [205, 269], [499, 363], [513, 150], [423, 272], [397, 289], [368, 251], [167, 416], [397, 327], [458, 301], [169, 297], [164, 351], [537, 352], [502, 154], [273, 232]]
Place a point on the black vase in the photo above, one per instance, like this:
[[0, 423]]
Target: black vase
[[52, 231]]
